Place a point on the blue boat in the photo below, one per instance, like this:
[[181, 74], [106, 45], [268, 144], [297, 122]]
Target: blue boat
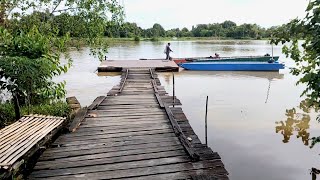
[[232, 66]]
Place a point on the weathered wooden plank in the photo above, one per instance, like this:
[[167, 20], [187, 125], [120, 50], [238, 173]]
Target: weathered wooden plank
[[119, 129], [133, 106], [155, 137], [117, 146], [128, 111], [103, 149], [97, 102], [124, 80], [79, 117], [110, 154], [75, 147], [180, 175], [159, 100], [113, 130], [139, 96], [109, 115], [106, 120], [152, 170], [126, 126], [118, 135], [123, 123], [105, 138], [141, 122], [112, 167], [106, 109], [137, 101]]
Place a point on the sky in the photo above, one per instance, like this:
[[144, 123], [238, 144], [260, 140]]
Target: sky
[[185, 13]]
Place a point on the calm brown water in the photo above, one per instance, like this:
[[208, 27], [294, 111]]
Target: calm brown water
[[250, 121]]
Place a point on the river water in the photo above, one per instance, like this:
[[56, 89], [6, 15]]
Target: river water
[[254, 119]]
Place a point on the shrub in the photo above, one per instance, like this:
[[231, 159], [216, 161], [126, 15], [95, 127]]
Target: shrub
[[59, 108], [7, 115], [154, 39], [137, 38]]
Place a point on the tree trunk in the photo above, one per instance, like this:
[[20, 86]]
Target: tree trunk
[[16, 106], [2, 13]]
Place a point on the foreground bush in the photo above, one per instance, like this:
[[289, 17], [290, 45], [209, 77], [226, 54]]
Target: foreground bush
[[7, 115]]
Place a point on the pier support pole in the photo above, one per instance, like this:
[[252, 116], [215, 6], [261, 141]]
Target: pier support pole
[[206, 122], [272, 51], [173, 99]]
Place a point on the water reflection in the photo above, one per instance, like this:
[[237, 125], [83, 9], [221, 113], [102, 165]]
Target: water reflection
[[109, 74], [226, 42], [295, 122], [167, 77], [235, 74]]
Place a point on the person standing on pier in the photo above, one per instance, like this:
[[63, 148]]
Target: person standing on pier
[[167, 51]]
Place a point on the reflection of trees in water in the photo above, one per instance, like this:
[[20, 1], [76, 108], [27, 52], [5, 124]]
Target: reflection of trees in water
[[295, 122], [299, 122], [167, 77]]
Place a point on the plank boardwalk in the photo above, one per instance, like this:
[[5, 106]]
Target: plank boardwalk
[[132, 133]]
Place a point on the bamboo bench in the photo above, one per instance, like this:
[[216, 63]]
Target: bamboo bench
[[22, 139]]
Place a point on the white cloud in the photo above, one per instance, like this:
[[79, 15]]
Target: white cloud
[[185, 13]]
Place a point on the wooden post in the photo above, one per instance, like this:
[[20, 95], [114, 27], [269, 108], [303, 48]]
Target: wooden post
[[206, 127], [16, 106], [173, 99], [272, 51]]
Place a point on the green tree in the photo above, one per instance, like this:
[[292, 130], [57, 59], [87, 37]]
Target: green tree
[[196, 31], [158, 31], [307, 59], [228, 24], [31, 44], [171, 33], [185, 32], [28, 63]]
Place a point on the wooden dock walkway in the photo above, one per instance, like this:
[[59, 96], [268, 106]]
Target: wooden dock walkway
[[133, 133], [119, 65]]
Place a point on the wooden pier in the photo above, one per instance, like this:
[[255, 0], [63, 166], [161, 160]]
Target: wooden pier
[[132, 133], [119, 65]]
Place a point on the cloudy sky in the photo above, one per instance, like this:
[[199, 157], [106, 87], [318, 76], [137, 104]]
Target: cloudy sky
[[185, 13]]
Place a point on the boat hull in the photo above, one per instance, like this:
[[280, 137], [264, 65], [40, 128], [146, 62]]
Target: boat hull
[[227, 59], [232, 66]]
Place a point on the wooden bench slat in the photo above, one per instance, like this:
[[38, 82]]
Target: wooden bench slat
[[20, 137], [33, 137]]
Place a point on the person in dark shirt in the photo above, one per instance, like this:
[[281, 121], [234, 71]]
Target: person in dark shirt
[[167, 51]]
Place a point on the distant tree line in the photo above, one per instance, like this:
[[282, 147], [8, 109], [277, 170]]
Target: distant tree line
[[227, 29], [75, 25]]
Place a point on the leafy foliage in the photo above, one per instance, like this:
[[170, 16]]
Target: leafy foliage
[[227, 29], [59, 108], [29, 62], [32, 42], [307, 59]]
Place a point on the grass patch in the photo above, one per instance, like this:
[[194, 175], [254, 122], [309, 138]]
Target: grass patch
[[7, 115]]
